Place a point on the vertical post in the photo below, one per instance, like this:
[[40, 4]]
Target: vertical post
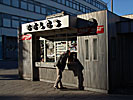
[[20, 53], [35, 70], [45, 50], [111, 5], [55, 51]]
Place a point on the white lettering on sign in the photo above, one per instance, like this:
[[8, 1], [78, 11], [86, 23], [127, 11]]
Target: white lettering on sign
[[49, 24]]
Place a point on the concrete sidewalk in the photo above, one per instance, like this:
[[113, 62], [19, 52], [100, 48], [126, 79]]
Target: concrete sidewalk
[[11, 88]]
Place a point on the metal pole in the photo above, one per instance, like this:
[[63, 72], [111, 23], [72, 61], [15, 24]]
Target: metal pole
[[111, 5]]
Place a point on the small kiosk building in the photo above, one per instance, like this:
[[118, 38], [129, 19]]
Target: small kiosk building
[[105, 54]]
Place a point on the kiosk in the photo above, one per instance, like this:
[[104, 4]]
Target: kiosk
[[92, 36]]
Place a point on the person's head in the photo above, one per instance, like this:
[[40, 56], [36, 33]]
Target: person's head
[[68, 52]]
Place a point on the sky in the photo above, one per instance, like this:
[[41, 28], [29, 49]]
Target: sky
[[121, 7]]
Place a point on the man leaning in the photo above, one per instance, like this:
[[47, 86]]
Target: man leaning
[[60, 66]]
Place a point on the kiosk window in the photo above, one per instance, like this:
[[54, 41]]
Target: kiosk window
[[49, 51], [87, 49], [95, 49]]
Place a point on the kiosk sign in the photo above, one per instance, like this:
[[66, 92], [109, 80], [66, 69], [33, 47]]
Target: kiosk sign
[[48, 24]]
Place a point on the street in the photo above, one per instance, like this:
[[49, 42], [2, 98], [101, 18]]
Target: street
[[12, 88]]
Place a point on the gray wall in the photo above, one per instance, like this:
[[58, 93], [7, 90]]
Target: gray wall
[[114, 68], [95, 72], [25, 59]]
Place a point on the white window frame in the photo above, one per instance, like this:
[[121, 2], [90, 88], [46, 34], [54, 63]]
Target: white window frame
[[97, 51], [89, 40]]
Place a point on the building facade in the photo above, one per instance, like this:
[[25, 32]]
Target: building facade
[[13, 13]]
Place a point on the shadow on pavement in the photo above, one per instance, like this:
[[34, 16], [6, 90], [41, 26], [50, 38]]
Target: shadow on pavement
[[9, 77], [69, 97], [8, 64]]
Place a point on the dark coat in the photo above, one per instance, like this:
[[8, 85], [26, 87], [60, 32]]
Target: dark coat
[[61, 62]]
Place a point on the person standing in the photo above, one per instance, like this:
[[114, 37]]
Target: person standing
[[75, 65], [60, 66]]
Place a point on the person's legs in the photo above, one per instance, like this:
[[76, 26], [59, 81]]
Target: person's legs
[[58, 79], [80, 80]]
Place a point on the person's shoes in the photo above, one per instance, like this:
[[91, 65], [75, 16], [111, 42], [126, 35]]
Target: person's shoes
[[56, 87], [63, 88], [81, 88]]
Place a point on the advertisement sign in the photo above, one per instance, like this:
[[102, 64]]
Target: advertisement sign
[[100, 29], [91, 30], [26, 37]]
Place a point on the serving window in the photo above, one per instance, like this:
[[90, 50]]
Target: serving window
[[50, 51]]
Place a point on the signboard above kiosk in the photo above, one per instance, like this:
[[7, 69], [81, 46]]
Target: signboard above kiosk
[[49, 24]]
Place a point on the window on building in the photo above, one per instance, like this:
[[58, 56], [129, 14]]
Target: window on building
[[15, 23], [49, 12], [1, 48], [67, 3], [59, 1], [88, 1], [84, 9], [58, 10], [63, 2], [81, 7], [94, 2], [8, 2], [0, 1], [30, 7], [91, 1], [87, 10], [23, 20], [77, 6], [53, 12], [98, 4], [37, 9], [71, 4], [43, 10], [87, 49], [23, 5], [6, 22], [15, 3], [74, 6], [0, 20], [95, 49], [30, 20]]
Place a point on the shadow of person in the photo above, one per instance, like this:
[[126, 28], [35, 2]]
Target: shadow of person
[[77, 68]]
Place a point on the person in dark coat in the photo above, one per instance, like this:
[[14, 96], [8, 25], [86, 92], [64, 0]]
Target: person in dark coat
[[60, 66], [75, 65]]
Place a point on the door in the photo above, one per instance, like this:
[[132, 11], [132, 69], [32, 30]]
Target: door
[[126, 62]]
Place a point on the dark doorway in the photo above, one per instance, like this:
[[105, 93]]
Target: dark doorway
[[126, 62]]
